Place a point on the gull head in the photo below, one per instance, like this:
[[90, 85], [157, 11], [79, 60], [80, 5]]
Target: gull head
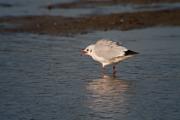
[[88, 50]]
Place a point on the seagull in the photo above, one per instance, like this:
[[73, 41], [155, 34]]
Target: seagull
[[107, 53]]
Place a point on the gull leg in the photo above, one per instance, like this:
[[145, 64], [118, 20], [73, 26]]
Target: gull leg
[[114, 71], [103, 71]]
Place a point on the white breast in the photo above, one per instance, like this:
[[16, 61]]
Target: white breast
[[102, 60]]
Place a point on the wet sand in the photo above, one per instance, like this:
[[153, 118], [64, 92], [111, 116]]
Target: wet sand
[[59, 25]]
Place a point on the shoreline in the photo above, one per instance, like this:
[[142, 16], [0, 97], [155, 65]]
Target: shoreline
[[59, 25], [95, 3]]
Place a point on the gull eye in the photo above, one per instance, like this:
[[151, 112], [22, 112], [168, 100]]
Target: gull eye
[[87, 50]]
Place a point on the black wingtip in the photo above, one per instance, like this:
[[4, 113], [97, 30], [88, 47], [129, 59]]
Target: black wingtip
[[130, 52]]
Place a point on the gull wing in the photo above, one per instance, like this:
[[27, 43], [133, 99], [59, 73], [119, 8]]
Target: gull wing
[[109, 49]]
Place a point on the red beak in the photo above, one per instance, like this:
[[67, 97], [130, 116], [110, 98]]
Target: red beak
[[83, 52]]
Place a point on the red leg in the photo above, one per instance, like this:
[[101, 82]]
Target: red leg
[[114, 70]]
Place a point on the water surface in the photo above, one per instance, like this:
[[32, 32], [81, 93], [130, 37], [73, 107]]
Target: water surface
[[44, 77], [38, 7]]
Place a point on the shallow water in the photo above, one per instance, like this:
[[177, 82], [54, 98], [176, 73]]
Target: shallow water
[[44, 77], [37, 7]]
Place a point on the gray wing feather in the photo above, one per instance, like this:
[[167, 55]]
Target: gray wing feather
[[109, 49]]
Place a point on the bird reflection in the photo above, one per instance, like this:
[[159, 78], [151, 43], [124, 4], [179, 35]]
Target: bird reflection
[[107, 95]]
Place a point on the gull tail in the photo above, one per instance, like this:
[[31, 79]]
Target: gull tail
[[130, 52]]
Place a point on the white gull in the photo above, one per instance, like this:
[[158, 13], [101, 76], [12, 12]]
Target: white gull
[[108, 52]]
